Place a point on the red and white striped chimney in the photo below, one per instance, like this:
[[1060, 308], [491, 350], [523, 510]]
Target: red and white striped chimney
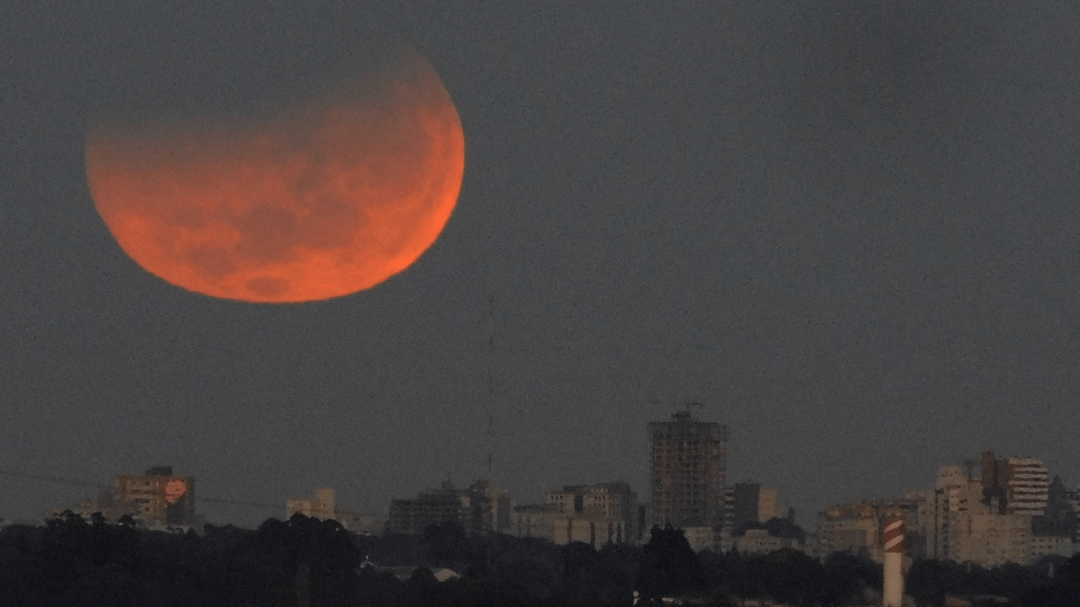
[[892, 593]]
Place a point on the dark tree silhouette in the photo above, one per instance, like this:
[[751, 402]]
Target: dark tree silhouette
[[580, 568], [376, 589], [848, 578], [73, 562], [669, 566], [446, 545], [791, 577], [785, 528]]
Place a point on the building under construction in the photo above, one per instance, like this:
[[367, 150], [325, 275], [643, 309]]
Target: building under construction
[[688, 465]]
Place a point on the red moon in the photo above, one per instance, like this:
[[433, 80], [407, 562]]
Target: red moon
[[311, 201]]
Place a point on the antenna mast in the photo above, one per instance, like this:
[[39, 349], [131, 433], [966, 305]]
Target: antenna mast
[[491, 384]]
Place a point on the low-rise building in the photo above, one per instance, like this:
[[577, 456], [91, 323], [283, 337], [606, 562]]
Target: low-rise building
[[106, 504], [990, 539], [701, 538], [758, 541], [538, 520], [479, 509], [1040, 546], [853, 528], [857, 527], [596, 514], [323, 506]]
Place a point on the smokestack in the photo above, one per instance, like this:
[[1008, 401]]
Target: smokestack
[[892, 593]]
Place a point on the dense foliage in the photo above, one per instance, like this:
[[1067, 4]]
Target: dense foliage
[[304, 562]]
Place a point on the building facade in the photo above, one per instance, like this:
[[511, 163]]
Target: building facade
[[323, 506], [162, 498], [748, 504], [1028, 486], [477, 509], [858, 527], [1005, 512], [990, 539], [688, 472], [758, 541], [605, 513], [1017, 485], [499, 504]]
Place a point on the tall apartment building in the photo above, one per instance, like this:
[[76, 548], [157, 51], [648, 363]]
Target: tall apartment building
[[1017, 485], [956, 493], [1028, 486], [687, 473]]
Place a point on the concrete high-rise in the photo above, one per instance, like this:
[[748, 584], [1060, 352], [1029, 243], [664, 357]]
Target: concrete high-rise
[[1028, 484], [688, 468], [1018, 485]]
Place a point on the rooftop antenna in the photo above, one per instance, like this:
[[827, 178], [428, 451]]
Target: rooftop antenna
[[491, 384]]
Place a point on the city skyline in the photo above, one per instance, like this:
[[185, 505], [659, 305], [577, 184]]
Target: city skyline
[[1022, 481], [1009, 511], [848, 228]]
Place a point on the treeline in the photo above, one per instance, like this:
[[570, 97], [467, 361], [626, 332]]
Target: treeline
[[309, 563]]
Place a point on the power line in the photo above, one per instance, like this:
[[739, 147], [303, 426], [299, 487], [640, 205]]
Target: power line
[[238, 503], [84, 483], [52, 479]]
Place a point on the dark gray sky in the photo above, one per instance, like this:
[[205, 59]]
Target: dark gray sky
[[850, 228]]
